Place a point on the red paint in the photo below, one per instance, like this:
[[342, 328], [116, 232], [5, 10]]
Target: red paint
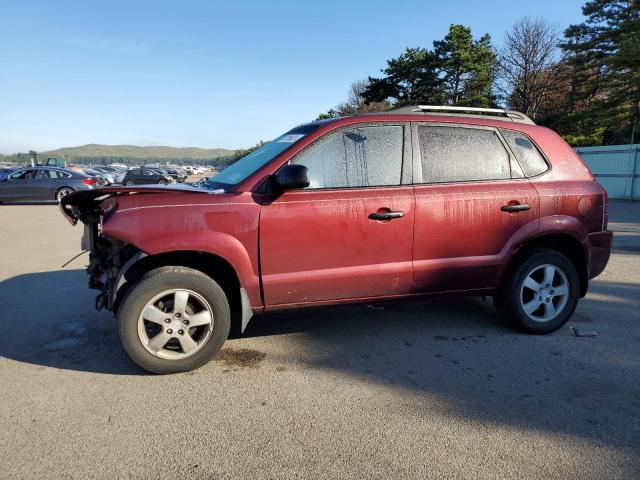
[[319, 246]]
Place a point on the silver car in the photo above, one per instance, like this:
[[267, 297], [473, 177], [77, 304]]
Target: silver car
[[43, 183]]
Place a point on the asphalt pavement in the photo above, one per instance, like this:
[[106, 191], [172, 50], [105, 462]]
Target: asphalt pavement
[[428, 389]]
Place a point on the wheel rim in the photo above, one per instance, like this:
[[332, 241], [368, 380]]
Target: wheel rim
[[544, 293], [62, 193], [175, 324]]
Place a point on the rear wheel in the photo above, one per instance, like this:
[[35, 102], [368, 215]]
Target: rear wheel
[[541, 292], [162, 182], [128, 183], [63, 192], [175, 319]]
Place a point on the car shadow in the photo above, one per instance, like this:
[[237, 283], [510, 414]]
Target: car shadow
[[455, 349]]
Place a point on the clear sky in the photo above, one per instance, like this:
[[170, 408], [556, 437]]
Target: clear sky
[[209, 73]]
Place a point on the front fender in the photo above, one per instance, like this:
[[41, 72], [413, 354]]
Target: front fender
[[178, 229]]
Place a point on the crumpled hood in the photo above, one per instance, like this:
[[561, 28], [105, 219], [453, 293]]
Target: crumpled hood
[[78, 205]]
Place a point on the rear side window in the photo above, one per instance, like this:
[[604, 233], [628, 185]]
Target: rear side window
[[42, 174], [59, 174], [458, 154], [528, 155], [356, 157]]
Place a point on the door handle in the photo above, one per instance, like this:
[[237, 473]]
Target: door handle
[[515, 208], [385, 215]]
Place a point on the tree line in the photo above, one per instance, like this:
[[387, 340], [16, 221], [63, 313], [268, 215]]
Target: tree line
[[584, 82]]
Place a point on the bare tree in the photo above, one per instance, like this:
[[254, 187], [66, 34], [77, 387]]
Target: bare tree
[[528, 69]]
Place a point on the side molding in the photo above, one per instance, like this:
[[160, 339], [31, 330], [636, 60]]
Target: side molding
[[247, 313]]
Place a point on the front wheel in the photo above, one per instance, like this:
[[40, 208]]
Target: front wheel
[[175, 319], [541, 292], [128, 183]]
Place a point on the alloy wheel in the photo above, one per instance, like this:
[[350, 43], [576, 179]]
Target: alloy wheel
[[544, 293], [175, 324]]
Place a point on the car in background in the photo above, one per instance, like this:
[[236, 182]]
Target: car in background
[[118, 172], [145, 176], [172, 172], [104, 180], [109, 175], [43, 184], [6, 171]]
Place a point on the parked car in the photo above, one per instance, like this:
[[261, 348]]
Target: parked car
[[104, 179], [5, 171], [116, 174], [174, 174], [145, 176], [43, 183], [419, 201]]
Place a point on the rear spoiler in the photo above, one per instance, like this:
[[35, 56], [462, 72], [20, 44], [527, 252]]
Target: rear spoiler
[[81, 204]]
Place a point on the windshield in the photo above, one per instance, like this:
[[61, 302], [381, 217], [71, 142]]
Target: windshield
[[238, 171]]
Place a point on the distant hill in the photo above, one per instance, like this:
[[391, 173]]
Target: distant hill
[[134, 152]]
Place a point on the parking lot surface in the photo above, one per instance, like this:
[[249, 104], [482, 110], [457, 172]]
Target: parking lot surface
[[429, 389]]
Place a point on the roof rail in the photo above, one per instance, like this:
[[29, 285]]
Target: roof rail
[[500, 112]]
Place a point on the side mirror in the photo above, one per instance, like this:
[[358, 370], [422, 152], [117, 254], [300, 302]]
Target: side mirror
[[291, 176]]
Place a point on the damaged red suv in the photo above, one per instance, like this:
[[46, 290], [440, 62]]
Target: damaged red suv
[[413, 202]]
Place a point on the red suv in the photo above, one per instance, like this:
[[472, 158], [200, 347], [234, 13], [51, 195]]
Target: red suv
[[416, 201]]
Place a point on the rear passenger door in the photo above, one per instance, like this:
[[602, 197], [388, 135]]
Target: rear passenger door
[[472, 202]]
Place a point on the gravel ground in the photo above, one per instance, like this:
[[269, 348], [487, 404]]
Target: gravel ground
[[431, 389]]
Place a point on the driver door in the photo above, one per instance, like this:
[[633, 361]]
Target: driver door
[[350, 233], [17, 186]]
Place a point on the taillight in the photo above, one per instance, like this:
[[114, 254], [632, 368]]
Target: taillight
[[89, 181]]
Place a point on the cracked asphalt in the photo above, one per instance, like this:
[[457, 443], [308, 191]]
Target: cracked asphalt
[[431, 389]]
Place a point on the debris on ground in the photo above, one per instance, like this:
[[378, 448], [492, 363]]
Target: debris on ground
[[584, 333]]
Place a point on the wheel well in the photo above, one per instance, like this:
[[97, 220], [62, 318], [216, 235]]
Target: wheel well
[[565, 244], [212, 265]]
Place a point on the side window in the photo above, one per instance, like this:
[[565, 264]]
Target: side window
[[42, 174], [528, 155], [23, 174], [356, 157], [458, 154]]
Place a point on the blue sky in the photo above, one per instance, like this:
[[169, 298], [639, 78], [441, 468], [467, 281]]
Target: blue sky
[[209, 73]]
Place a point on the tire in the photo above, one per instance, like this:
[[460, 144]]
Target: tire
[[529, 303], [172, 357], [162, 182], [63, 192], [128, 183]]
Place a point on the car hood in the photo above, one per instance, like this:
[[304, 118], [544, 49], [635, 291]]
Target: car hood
[[83, 204]]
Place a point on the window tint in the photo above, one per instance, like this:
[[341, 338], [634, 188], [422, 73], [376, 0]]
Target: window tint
[[457, 154], [40, 174], [528, 155], [356, 157], [58, 174], [23, 174]]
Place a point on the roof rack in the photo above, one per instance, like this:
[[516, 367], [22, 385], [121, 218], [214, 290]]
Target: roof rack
[[500, 112]]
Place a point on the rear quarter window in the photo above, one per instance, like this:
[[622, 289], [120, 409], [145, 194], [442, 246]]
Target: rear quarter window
[[528, 155]]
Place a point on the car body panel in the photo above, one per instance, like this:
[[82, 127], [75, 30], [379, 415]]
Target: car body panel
[[313, 247], [222, 225], [462, 236]]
